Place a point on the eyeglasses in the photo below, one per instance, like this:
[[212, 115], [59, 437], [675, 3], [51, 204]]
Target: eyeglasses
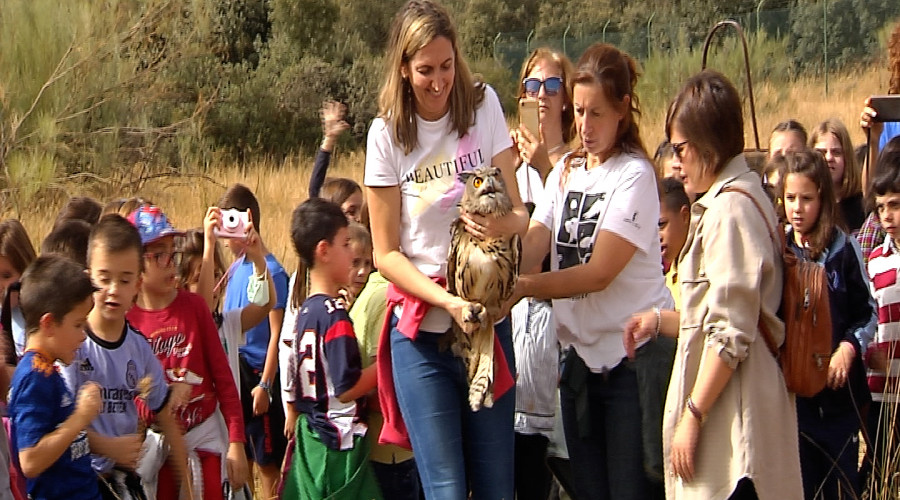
[[551, 86], [163, 259], [678, 150]]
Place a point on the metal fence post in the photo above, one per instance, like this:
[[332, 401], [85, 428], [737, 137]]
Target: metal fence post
[[758, 7], [565, 33], [649, 22]]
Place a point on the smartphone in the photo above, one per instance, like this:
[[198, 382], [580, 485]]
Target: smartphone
[[887, 107], [528, 116]]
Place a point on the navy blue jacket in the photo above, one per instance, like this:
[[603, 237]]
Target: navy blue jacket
[[853, 319]]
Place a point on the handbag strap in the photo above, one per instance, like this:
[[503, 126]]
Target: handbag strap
[[763, 328]]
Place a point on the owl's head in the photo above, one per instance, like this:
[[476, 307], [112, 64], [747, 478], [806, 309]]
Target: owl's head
[[485, 192]]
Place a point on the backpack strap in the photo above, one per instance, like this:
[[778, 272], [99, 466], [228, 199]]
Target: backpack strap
[[778, 242]]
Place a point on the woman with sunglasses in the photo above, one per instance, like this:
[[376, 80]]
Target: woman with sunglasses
[[598, 223], [545, 76], [435, 121], [730, 426]]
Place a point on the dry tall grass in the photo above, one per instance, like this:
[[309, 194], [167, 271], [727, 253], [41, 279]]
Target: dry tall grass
[[281, 186]]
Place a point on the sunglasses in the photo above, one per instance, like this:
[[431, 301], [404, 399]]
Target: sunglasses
[[551, 85], [678, 150], [163, 259]]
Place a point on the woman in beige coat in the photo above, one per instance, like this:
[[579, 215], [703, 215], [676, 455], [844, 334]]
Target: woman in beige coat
[[730, 426]]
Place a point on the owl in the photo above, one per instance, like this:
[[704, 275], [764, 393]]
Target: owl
[[483, 272]]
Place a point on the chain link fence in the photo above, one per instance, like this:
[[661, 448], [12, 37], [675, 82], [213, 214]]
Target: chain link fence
[[821, 37]]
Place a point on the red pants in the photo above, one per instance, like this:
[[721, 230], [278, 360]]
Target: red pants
[[210, 463]]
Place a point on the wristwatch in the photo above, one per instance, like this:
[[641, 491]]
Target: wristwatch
[[266, 387]]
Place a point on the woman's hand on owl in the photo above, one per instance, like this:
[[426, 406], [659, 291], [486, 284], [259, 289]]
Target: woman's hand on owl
[[483, 227]]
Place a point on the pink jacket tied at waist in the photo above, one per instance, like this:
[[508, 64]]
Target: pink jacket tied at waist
[[414, 309]]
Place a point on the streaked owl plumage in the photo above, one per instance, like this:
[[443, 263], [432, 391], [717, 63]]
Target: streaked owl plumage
[[482, 272]]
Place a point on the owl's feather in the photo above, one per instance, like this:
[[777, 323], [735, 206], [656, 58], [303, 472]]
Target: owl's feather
[[483, 272]]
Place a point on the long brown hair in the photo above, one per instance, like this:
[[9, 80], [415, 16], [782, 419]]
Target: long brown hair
[[192, 247], [812, 165], [414, 27], [15, 244], [617, 74], [565, 68], [851, 185]]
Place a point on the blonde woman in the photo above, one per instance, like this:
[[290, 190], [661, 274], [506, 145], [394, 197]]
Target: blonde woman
[[435, 121]]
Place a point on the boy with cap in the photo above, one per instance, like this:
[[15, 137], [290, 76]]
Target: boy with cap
[[184, 338]]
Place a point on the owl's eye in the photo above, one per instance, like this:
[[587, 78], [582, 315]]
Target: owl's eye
[[477, 182]]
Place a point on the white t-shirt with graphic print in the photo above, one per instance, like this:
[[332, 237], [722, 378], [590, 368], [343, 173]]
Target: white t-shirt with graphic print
[[429, 188], [619, 196]]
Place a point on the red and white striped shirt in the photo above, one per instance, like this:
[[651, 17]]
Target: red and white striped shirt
[[884, 263]]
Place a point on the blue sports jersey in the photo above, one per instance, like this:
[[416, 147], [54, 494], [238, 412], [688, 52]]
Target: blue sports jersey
[[38, 403], [118, 368], [254, 351], [327, 365]]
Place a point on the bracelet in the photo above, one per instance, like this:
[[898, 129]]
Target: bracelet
[[694, 410], [266, 387], [658, 322]]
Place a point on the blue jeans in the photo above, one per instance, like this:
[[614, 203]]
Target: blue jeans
[[456, 449], [398, 481], [829, 451], [605, 447]]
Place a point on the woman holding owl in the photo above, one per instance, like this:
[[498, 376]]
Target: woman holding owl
[[435, 121], [598, 221]]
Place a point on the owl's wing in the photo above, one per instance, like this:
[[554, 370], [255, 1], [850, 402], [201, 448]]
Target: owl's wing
[[455, 233]]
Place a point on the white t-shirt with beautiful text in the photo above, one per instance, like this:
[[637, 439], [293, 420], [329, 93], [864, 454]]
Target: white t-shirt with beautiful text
[[620, 197], [429, 187]]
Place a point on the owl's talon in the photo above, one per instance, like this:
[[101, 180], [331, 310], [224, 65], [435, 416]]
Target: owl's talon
[[475, 313]]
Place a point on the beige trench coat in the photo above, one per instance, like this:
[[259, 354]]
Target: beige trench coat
[[730, 273]]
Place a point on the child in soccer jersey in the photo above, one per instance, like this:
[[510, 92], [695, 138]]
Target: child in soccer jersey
[[48, 422], [120, 360], [183, 336], [328, 384]]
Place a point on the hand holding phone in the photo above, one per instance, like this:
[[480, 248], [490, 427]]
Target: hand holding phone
[[887, 108], [528, 116]]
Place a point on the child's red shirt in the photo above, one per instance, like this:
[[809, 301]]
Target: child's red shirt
[[185, 340]]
